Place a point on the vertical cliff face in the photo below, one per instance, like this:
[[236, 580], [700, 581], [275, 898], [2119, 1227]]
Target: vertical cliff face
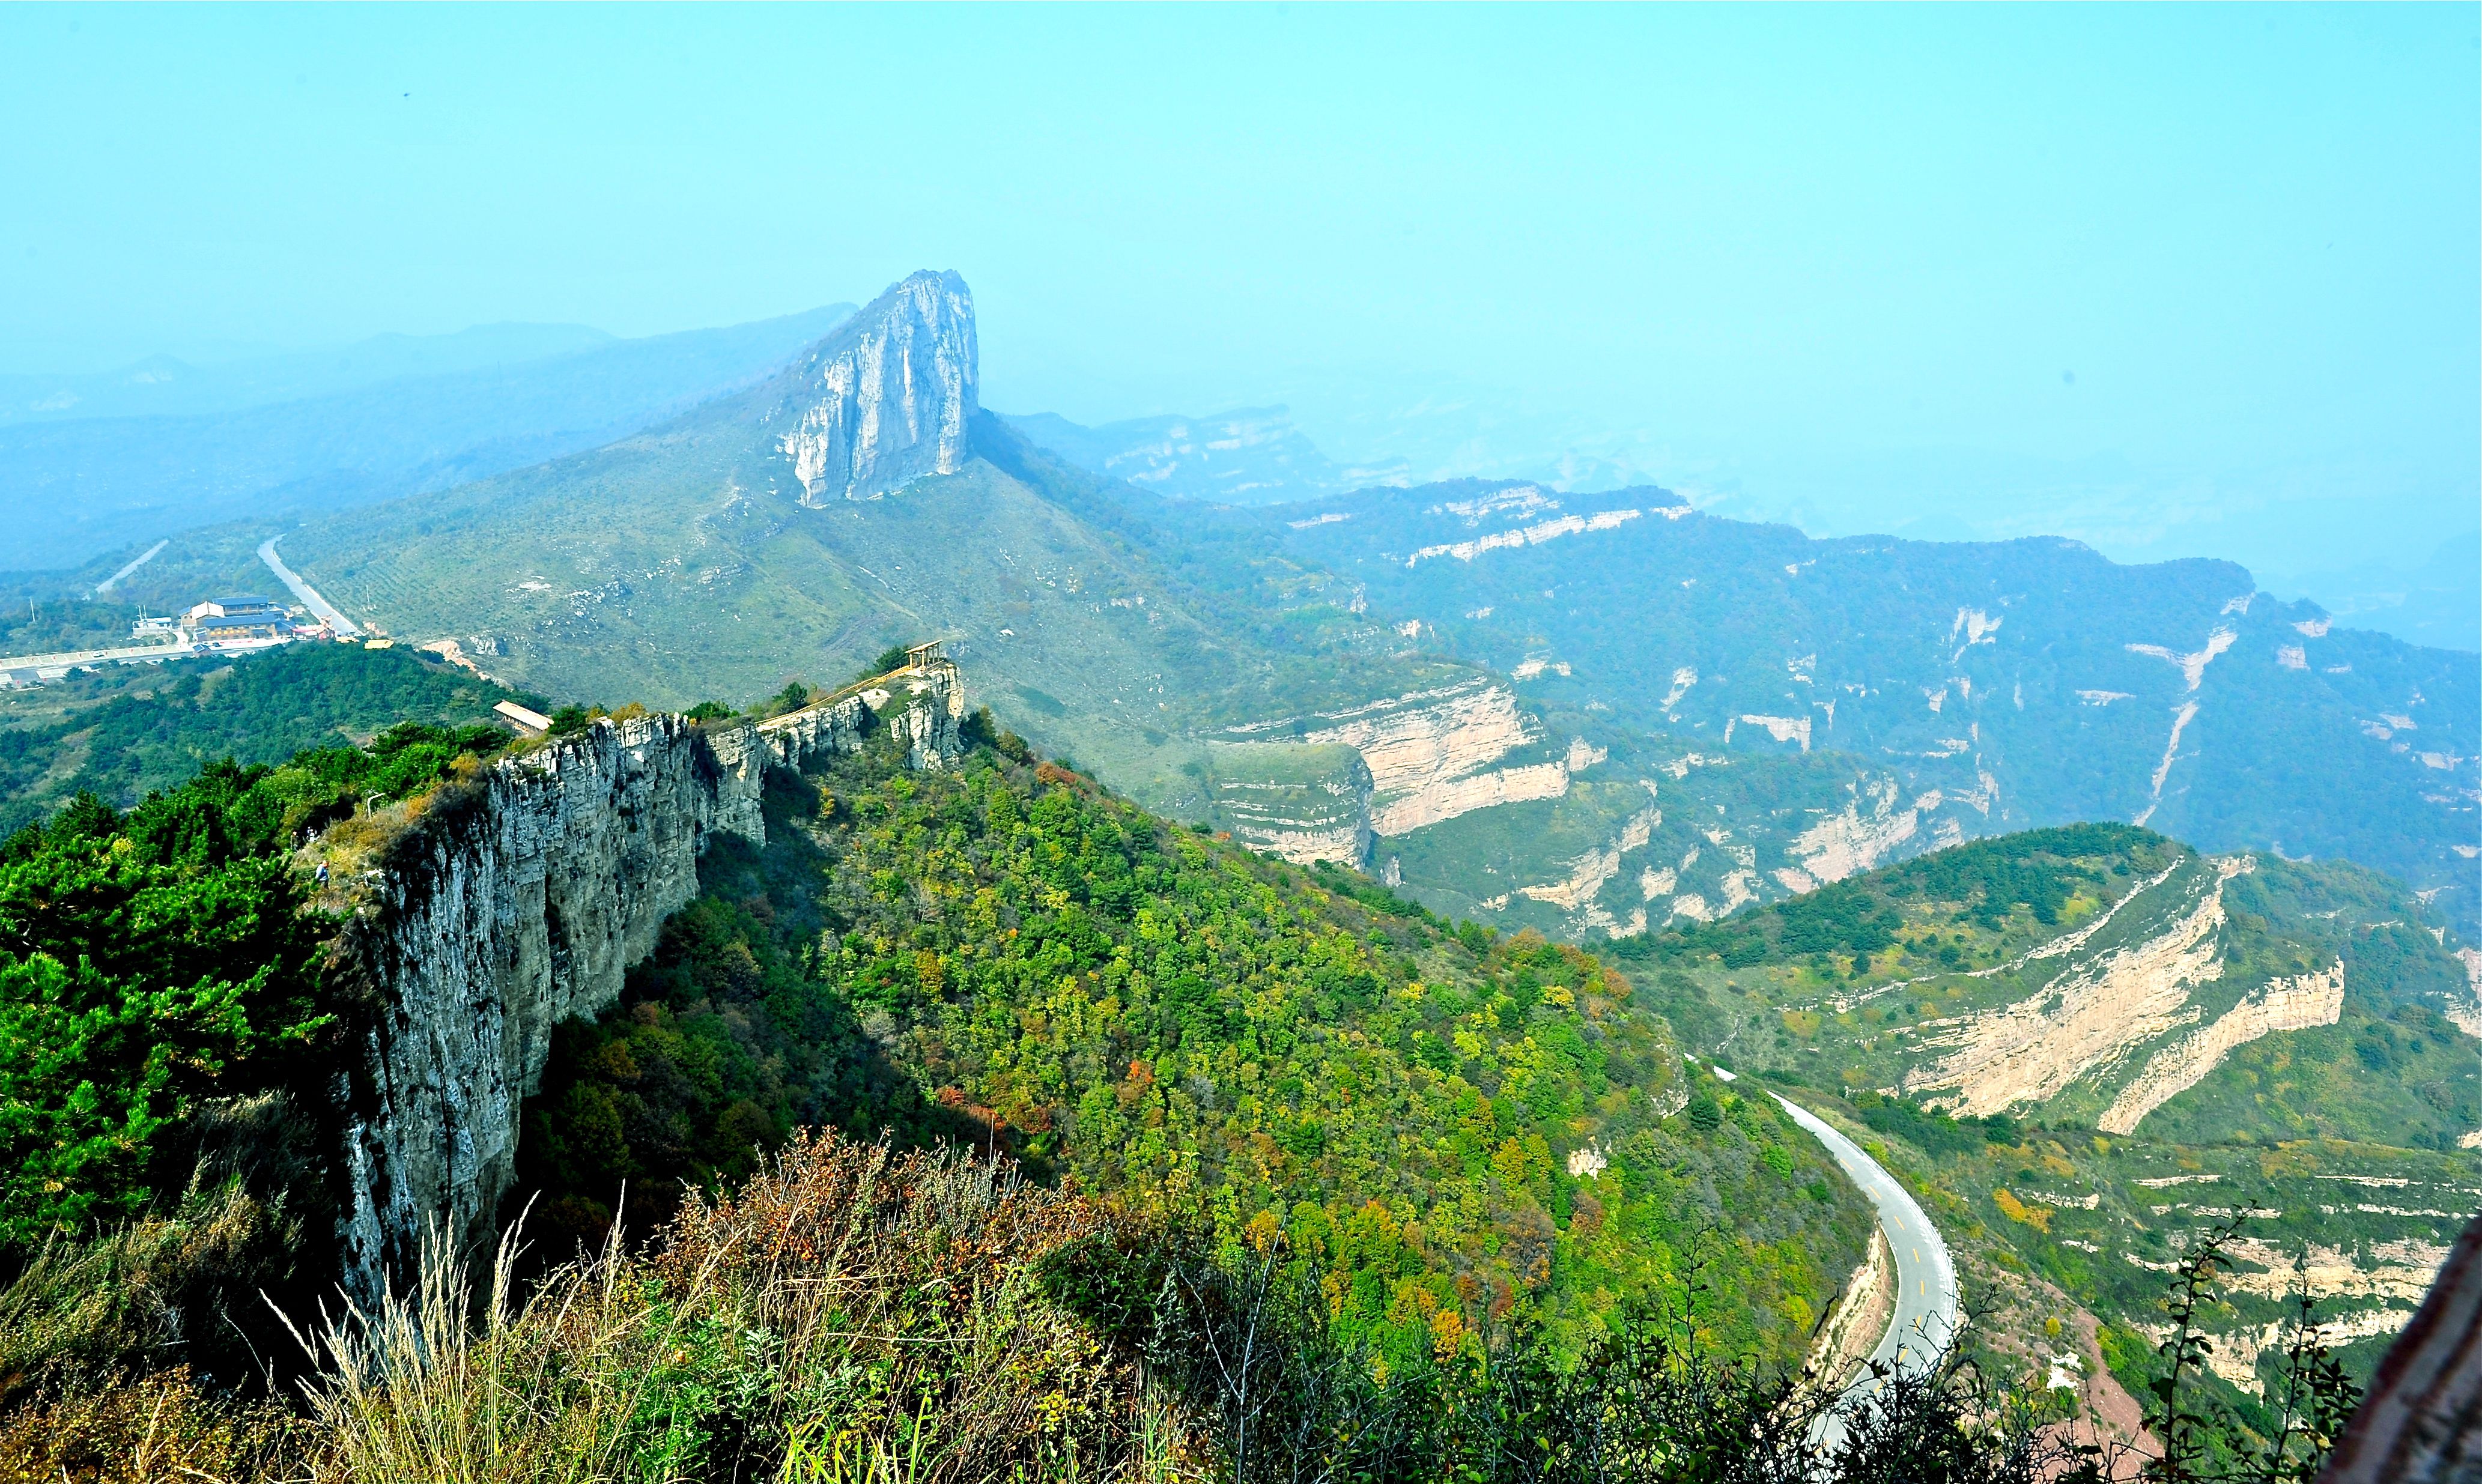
[[523, 900], [887, 399]]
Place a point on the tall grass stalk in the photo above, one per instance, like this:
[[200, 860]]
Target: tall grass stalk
[[565, 1386], [849, 1315]]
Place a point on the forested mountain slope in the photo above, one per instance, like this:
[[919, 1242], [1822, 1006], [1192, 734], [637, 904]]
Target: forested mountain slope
[[2089, 1044], [1466, 1132], [2033, 678], [1459, 1194], [1008, 957]]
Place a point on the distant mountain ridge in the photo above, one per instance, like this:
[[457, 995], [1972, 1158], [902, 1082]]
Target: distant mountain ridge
[[2032, 681], [169, 387], [367, 424], [1593, 714], [1248, 456]]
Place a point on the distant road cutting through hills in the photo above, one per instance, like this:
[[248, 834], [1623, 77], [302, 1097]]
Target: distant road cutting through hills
[[337, 623]]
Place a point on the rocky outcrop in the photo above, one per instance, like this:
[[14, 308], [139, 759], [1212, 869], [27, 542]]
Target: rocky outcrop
[[1533, 535], [1432, 755], [1859, 1317], [522, 899], [2466, 1010], [2300, 1002], [922, 706], [1591, 872], [1850, 842], [887, 398], [2089, 1019], [1304, 804]]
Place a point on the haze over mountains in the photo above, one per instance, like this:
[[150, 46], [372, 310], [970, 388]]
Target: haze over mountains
[[2149, 878], [2427, 589], [160, 445], [92, 462], [1594, 713]]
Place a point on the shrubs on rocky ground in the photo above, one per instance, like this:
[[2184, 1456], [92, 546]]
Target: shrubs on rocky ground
[[856, 1313]]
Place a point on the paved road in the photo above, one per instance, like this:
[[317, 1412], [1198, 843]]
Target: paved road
[[53, 666], [1926, 1298], [114, 582], [338, 623]]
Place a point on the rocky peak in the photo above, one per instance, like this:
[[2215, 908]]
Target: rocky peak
[[887, 398]]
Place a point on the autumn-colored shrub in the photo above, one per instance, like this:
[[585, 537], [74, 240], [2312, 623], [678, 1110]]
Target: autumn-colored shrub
[[150, 1428], [848, 1308]]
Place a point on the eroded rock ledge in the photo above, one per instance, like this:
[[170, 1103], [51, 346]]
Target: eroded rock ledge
[[523, 899]]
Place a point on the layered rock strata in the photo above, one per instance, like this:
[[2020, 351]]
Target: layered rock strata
[[1436, 754], [1302, 803], [2300, 1002], [2086, 1021], [523, 899]]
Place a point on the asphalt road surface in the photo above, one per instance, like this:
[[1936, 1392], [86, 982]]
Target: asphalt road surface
[[338, 623], [1926, 1298]]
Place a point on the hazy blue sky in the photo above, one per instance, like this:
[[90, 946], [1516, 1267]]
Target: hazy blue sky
[[2201, 272]]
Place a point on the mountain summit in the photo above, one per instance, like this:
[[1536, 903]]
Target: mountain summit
[[888, 397]]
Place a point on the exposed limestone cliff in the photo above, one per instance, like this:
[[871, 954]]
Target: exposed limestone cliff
[[922, 706], [1431, 753], [2088, 1019], [1591, 872], [1535, 535], [1304, 804], [1848, 843], [2467, 1013], [1859, 1317], [2296, 1003], [886, 400], [523, 899], [2397, 1273]]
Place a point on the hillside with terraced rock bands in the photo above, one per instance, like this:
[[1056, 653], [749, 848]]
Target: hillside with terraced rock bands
[[1593, 714], [2085, 1046]]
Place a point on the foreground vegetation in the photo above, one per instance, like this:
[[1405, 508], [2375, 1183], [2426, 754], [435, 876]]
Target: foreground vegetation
[[132, 730], [1176, 1163], [1003, 956], [855, 1314]]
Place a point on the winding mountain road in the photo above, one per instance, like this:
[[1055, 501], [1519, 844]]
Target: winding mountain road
[[1926, 1298]]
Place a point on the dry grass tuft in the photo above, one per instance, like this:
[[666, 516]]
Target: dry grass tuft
[[851, 1314], [156, 1427]]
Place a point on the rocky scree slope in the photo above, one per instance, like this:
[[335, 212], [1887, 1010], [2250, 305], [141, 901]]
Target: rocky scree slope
[[522, 900]]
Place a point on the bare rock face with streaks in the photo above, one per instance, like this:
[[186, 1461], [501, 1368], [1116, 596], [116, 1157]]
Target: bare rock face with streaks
[[525, 899], [887, 399]]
